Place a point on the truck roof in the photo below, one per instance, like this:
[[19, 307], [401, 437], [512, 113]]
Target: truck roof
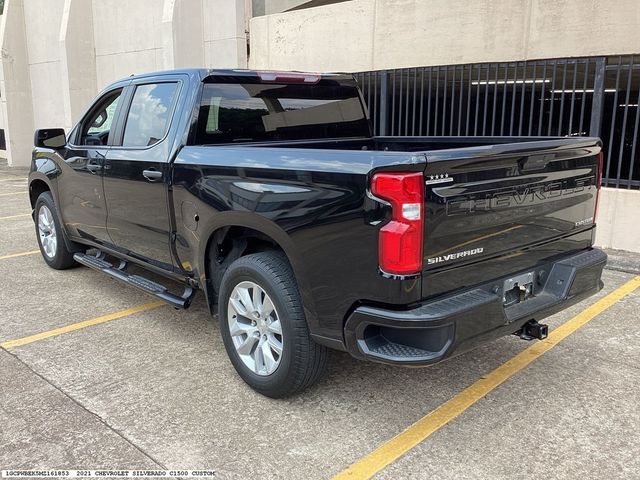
[[237, 72]]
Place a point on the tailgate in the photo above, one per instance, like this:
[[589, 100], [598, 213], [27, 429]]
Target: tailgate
[[504, 200]]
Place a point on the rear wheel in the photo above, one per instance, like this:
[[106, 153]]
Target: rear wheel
[[264, 329], [50, 235]]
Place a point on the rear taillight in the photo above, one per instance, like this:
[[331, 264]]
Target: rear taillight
[[400, 240], [598, 184]]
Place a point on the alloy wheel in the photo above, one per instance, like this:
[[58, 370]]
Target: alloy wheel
[[255, 328], [47, 232]]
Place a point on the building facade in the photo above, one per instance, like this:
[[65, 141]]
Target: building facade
[[491, 67], [426, 67], [58, 54]]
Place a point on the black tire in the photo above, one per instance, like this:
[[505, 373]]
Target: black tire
[[62, 257], [303, 361]]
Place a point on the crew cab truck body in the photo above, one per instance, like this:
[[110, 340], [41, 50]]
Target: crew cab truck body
[[267, 191]]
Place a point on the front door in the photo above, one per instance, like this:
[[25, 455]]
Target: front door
[[81, 195], [136, 174]]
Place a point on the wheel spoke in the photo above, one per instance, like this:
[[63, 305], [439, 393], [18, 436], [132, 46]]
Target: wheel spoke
[[247, 345], [269, 362], [239, 328], [275, 327], [274, 344], [256, 298], [245, 298], [258, 359], [267, 307], [238, 307]]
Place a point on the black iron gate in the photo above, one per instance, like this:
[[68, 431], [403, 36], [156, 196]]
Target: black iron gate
[[556, 97]]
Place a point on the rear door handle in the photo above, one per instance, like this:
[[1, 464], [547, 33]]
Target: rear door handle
[[152, 174]]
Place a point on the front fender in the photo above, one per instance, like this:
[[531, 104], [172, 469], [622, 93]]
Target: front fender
[[44, 168]]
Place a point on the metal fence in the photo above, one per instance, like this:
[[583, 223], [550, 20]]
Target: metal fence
[[555, 97]]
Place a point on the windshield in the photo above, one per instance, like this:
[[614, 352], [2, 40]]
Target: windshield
[[254, 112]]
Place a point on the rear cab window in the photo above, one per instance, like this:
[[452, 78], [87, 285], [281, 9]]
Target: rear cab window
[[255, 112]]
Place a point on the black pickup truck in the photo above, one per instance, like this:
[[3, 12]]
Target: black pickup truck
[[268, 192]]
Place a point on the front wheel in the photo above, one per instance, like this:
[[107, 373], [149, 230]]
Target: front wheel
[[50, 235], [264, 328]]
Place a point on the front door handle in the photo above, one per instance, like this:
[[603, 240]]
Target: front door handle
[[94, 167], [152, 174]]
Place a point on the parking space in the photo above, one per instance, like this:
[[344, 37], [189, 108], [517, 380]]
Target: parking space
[[154, 388]]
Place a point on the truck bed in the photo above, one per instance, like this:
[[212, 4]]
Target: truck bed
[[503, 202], [415, 144]]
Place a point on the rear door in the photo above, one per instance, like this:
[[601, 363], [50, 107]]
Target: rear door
[[508, 199], [136, 173]]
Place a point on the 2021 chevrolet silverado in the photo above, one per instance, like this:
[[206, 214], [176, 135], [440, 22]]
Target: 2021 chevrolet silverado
[[267, 191]]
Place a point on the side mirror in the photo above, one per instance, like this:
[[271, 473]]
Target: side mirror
[[50, 138]]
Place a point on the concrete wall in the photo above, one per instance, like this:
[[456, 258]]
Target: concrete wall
[[57, 54], [380, 34], [337, 37], [277, 6], [619, 219]]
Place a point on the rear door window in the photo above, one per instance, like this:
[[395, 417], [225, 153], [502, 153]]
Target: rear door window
[[149, 115]]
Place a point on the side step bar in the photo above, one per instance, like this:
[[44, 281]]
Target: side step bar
[[144, 284]]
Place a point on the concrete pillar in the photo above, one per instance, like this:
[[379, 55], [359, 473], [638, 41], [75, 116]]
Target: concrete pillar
[[42, 30], [127, 38], [225, 40], [182, 34], [77, 59], [15, 85]]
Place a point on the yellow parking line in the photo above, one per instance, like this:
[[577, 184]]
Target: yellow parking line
[[21, 254], [438, 418], [77, 326], [22, 215], [12, 193]]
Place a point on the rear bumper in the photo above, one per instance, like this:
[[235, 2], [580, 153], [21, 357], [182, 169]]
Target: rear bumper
[[458, 322]]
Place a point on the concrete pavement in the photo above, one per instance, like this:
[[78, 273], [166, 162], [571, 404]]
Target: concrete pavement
[[155, 389]]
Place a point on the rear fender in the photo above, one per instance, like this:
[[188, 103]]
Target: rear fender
[[266, 227]]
